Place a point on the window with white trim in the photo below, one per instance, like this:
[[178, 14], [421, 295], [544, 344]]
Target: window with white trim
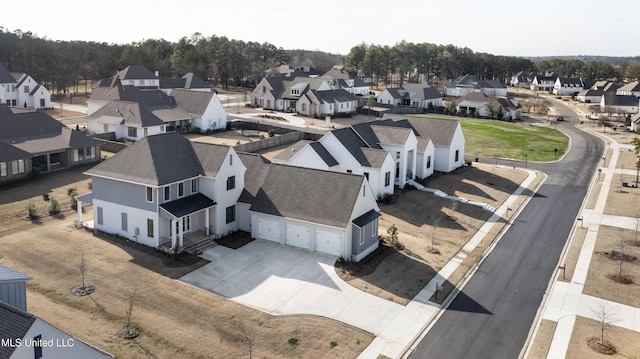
[[149, 194]]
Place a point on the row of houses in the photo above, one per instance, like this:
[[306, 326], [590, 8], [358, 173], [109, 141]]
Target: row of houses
[[17, 89], [320, 195]]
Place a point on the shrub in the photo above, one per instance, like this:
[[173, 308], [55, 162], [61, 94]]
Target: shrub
[[54, 207], [393, 233], [272, 133], [333, 344], [31, 210], [384, 198], [293, 341]]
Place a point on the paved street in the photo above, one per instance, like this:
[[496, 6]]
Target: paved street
[[493, 314]]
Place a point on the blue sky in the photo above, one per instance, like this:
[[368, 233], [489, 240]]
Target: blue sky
[[499, 27]]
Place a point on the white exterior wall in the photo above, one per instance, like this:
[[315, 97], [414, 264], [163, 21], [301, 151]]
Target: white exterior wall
[[337, 150], [437, 102], [406, 163], [213, 117], [227, 198], [112, 222], [8, 92], [377, 176], [495, 92], [63, 345], [445, 156], [421, 163], [244, 217], [307, 157], [385, 98], [44, 94]]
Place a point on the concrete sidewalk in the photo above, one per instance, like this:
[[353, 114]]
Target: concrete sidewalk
[[566, 300]]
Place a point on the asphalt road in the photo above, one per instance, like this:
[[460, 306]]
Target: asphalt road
[[492, 315]]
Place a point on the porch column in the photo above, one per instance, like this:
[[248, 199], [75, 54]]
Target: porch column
[[206, 221], [180, 239], [174, 223], [79, 209], [48, 162]]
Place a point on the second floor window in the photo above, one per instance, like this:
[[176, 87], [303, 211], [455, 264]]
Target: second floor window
[[231, 182], [132, 132], [149, 194]]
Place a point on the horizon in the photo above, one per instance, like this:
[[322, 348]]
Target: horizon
[[541, 32]]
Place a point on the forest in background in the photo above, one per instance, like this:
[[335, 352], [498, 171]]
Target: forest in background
[[60, 65]]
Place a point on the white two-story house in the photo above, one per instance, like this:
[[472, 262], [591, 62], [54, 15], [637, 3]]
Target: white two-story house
[[21, 90]]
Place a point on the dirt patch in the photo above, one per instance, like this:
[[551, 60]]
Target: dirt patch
[[542, 340], [620, 279], [603, 263], [627, 342], [606, 348], [415, 214]]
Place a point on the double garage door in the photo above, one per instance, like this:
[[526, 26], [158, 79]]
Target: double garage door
[[300, 236]]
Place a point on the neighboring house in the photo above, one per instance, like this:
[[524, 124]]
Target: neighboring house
[[522, 79], [622, 104], [464, 85], [447, 136], [544, 83], [635, 123], [13, 290], [598, 89], [164, 187], [416, 95], [21, 90], [630, 89], [32, 140], [327, 95], [132, 113], [189, 81], [567, 86], [138, 76], [388, 152], [494, 107], [25, 336]]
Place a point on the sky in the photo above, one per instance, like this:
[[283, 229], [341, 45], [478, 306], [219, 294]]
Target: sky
[[498, 27]]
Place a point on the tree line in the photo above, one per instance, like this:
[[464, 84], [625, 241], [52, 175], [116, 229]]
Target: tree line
[[61, 65], [424, 62]]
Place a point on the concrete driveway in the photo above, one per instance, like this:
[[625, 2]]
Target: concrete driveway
[[280, 279]]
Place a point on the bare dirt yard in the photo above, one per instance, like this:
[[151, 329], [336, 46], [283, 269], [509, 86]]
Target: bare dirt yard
[[175, 320], [424, 221]]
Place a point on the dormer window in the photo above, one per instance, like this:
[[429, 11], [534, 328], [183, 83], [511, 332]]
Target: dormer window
[[295, 92]]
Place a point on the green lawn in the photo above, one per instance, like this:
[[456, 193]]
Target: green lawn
[[510, 139]]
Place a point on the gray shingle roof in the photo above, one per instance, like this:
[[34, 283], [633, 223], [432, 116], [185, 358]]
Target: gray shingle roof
[[136, 72], [630, 87], [292, 150], [315, 196], [5, 76], [155, 160], [193, 81], [622, 100], [192, 101], [332, 96], [132, 114], [441, 132], [324, 154], [14, 323], [388, 135], [257, 169], [36, 132], [9, 152], [353, 143]]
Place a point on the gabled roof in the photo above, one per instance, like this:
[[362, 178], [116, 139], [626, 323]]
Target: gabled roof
[[317, 147], [292, 150], [5, 76], [9, 152], [397, 92], [194, 102], [136, 72], [162, 159], [332, 96], [328, 159], [388, 135], [188, 81], [353, 143], [570, 81], [14, 324], [131, 113], [315, 196], [440, 131], [257, 169]]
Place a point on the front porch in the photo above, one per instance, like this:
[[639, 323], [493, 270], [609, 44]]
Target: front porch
[[193, 243]]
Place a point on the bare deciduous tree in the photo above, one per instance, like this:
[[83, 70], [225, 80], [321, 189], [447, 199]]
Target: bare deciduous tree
[[83, 268], [604, 314]]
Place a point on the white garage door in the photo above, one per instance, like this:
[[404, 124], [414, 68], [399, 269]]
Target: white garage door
[[269, 230], [297, 236], [328, 242]]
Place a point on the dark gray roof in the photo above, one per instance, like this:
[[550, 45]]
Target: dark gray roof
[[398, 92], [331, 96], [324, 154], [366, 218], [136, 72], [257, 169], [431, 93], [571, 81], [14, 324], [622, 100], [187, 205], [36, 132], [155, 160], [9, 152], [5, 76], [131, 114], [315, 196], [388, 135], [193, 81], [192, 101], [353, 143], [292, 150], [172, 83]]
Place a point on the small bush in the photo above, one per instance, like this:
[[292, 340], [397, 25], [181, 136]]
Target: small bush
[[333, 344], [31, 210], [293, 341], [384, 198], [54, 206]]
